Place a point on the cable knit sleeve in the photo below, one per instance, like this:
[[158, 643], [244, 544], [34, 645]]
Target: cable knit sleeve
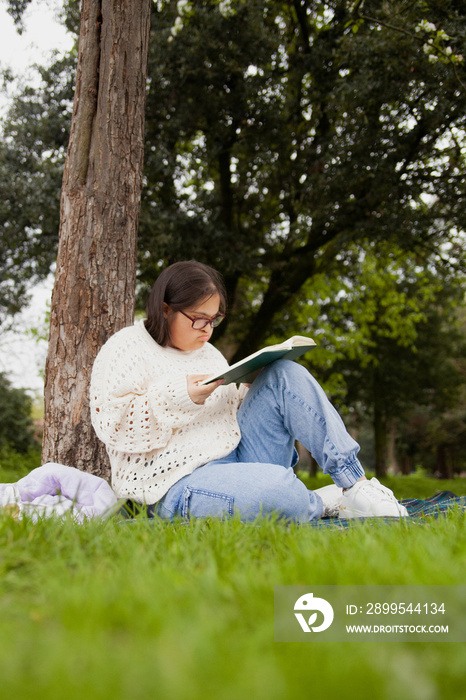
[[137, 400]]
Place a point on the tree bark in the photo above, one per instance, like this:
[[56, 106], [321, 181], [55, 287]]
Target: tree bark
[[94, 292], [392, 457], [443, 465], [380, 428]]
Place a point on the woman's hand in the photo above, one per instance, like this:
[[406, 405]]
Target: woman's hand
[[199, 393]]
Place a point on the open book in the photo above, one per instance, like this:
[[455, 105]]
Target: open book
[[245, 370]]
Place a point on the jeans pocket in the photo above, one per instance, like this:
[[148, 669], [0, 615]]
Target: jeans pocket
[[200, 503]]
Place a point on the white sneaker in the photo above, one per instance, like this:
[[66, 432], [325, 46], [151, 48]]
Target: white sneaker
[[369, 498], [331, 498]]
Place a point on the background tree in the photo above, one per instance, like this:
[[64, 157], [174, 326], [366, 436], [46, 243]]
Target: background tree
[[432, 435], [32, 153], [16, 425], [277, 134], [283, 132], [391, 345]]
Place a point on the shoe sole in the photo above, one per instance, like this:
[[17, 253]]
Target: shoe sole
[[349, 513]]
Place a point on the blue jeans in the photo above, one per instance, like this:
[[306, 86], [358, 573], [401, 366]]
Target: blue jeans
[[285, 403]]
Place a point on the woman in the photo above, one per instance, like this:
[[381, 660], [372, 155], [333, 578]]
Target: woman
[[188, 449]]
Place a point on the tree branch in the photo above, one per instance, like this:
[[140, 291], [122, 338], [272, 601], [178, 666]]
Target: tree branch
[[419, 39]]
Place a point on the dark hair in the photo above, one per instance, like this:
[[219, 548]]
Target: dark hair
[[181, 286]]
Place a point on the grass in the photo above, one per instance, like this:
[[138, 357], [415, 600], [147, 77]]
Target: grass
[[185, 611]]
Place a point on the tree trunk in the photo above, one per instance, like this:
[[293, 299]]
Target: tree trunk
[[392, 457], [380, 440], [94, 290], [380, 428], [443, 464]]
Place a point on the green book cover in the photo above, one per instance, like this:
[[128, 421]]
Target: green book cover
[[245, 370]]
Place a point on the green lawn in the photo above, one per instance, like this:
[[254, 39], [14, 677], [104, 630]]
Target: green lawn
[[181, 611]]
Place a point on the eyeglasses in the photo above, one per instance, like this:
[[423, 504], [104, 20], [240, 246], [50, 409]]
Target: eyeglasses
[[199, 323]]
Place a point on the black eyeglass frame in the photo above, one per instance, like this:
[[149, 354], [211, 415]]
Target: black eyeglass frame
[[214, 322]]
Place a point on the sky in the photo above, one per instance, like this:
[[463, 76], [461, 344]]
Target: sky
[[21, 356]]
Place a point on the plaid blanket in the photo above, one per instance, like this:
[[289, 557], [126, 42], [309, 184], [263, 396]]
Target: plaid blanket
[[436, 505], [420, 511]]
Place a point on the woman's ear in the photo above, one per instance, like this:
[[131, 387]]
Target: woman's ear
[[166, 309]]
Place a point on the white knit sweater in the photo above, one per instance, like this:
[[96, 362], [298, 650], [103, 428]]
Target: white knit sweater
[[142, 412]]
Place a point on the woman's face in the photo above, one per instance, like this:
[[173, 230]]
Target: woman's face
[[182, 334]]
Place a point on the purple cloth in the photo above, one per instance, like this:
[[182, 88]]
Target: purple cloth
[[55, 489]]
